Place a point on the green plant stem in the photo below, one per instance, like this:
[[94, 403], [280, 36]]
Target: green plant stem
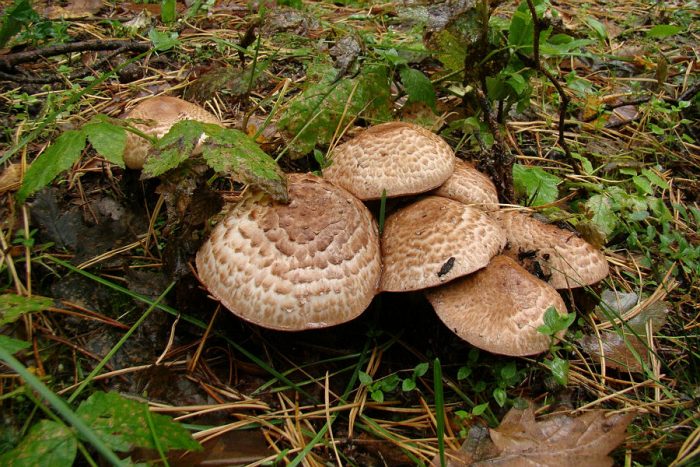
[[61, 407], [118, 345], [439, 409]]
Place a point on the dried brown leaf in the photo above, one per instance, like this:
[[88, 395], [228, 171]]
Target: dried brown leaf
[[617, 351], [557, 440]]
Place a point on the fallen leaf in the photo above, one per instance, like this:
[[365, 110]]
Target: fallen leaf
[[617, 351], [557, 440], [11, 178], [75, 9]]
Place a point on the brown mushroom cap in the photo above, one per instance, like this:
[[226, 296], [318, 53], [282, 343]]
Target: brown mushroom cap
[[469, 186], [498, 308], [435, 240], [560, 255], [398, 157], [159, 113], [311, 263]]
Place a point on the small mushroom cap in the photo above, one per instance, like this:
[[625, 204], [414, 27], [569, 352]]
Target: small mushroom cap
[[435, 240], [398, 157], [159, 113], [469, 186], [311, 263], [498, 308], [567, 260]]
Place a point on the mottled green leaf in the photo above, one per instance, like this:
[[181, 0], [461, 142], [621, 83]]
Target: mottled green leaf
[[11, 345], [48, 443], [109, 140], [234, 153], [327, 105], [560, 369], [537, 186], [13, 306], [176, 146], [123, 425], [55, 159], [418, 87], [450, 50], [602, 214]]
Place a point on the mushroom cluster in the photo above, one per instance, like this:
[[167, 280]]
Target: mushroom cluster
[[319, 260]]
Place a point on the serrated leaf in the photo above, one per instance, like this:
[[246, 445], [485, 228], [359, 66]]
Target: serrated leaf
[[13, 306], [537, 186], [109, 140], [60, 156], [122, 424], [602, 214], [418, 87], [663, 30], [176, 146], [236, 154], [314, 116], [48, 443], [12, 346]]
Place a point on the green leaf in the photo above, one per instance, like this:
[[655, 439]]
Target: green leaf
[[418, 87], [12, 346], [408, 385], [560, 369], [551, 318], [176, 146], [500, 396], [237, 155], [389, 383], [377, 396], [480, 409], [522, 30], [597, 27], [365, 379], [655, 179], [19, 14], [536, 185], [163, 41], [421, 369], [663, 30], [13, 306], [327, 105], [168, 12], [643, 185], [60, 156], [109, 140], [122, 424], [450, 50], [602, 214], [48, 443], [463, 373]]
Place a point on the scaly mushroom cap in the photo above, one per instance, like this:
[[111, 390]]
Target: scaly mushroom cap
[[401, 158], [557, 255], [159, 113], [435, 240], [498, 308], [311, 263], [469, 186]]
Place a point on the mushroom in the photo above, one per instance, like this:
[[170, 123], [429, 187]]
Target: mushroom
[[498, 308], [401, 158], [469, 186], [435, 240], [311, 263], [559, 256], [159, 113]]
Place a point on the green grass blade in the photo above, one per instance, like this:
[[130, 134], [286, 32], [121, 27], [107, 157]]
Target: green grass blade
[[439, 409]]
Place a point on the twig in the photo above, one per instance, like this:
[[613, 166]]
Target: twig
[[536, 63], [9, 61]]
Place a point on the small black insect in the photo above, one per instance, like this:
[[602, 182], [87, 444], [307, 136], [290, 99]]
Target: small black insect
[[447, 267], [527, 254], [538, 272]]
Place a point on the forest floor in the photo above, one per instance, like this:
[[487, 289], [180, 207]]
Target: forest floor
[[102, 316]]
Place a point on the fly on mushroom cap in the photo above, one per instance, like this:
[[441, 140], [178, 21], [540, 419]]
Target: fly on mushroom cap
[[311, 263], [498, 308], [469, 186], [401, 158], [159, 113], [435, 240], [562, 258]]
